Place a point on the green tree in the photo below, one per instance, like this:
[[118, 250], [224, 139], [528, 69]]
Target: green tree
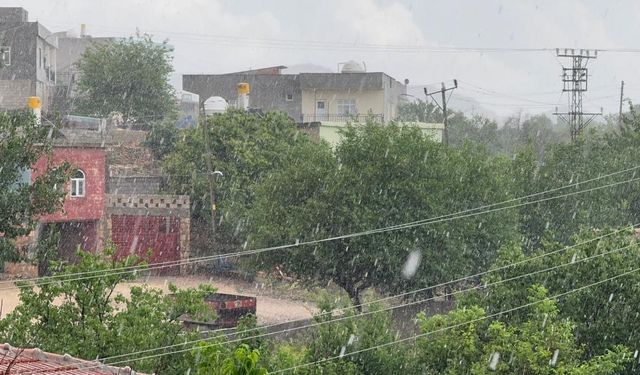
[[243, 361], [564, 164], [247, 148], [129, 76], [419, 111], [604, 314], [79, 316], [465, 341], [162, 138], [22, 143], [381, 176]]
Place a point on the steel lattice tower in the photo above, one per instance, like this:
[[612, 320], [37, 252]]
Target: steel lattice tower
[[574, 81]]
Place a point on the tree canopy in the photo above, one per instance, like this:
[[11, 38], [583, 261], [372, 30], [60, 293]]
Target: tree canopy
[[381, 176], [246, 148], [129, 76], [88, 318], [22, 143]]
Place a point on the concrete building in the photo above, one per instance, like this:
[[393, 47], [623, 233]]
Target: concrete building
[[270, 91], [341, 97], [320, 103], [79, 220], [28, 52], [330, 131], [114, 194], [353, 94]]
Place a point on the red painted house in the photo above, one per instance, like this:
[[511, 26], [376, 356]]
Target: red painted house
[[126, 208], [80, 218]]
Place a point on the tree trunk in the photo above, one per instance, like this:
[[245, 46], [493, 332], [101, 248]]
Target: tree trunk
[[354, 295]]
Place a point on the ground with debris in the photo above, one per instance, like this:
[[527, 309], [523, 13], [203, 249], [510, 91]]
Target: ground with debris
[[272, 308]]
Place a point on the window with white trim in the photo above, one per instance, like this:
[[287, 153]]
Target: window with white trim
[[346, 106], [78, 184]]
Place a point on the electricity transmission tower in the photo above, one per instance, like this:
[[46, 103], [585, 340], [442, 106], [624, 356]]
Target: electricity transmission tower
[[574, 81]]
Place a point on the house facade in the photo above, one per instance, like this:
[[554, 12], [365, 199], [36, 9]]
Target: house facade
[[322, 104], [79, 220], [270, 92], [308, 97], [347, 96], [114, 195], [27, 59]]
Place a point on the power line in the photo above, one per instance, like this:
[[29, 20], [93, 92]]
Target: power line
[[438, 219], [338, 319], [412, 338], [481, 90]]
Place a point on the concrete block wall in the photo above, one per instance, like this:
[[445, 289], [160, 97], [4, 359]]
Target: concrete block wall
[[135, 184], [14, 94]]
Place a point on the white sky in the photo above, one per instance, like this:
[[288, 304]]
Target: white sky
[[195, 28]]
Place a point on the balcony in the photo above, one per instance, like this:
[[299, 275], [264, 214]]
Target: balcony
[[342, 117]]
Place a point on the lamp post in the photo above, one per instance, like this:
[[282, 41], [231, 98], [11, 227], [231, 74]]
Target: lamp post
[[211, 107]]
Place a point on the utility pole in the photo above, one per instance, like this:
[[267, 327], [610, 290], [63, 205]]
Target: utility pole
[[210, 174], [621, 99], [574, 81], [443, 107]]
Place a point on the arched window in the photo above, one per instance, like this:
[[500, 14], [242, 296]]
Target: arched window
[[77, 184]]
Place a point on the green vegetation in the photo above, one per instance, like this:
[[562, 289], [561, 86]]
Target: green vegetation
[[88, 318], [22, 143], [246, 148], [380, 175], [281, 188], [129, 76]]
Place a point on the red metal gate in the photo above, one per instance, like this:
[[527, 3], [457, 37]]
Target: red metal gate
[[155, 239]]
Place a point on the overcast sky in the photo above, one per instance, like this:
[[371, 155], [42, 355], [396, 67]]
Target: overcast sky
[[212, 36]]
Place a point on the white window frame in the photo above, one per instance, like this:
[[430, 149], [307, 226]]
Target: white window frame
[[346, 107], [5, 57], [288, 97], [78, 185]]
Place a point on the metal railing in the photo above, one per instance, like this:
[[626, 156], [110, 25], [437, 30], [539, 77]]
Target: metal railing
[[342, 117]]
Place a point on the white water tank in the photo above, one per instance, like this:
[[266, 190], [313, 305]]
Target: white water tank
[[352, 67], [215, 104]]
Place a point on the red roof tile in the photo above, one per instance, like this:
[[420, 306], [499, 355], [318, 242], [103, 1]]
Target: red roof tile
[[35, 361]]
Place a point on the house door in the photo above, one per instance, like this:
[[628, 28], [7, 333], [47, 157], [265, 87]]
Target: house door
[[321, 110]]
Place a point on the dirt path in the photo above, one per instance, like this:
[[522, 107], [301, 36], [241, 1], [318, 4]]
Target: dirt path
[[270, 309]]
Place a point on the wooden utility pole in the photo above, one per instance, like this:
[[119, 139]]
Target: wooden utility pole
[[443, 107], [621, 99]]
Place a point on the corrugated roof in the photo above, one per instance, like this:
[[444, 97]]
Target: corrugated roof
[[35, 361]]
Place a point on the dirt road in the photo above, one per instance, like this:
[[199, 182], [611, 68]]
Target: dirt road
[[271, 309]]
